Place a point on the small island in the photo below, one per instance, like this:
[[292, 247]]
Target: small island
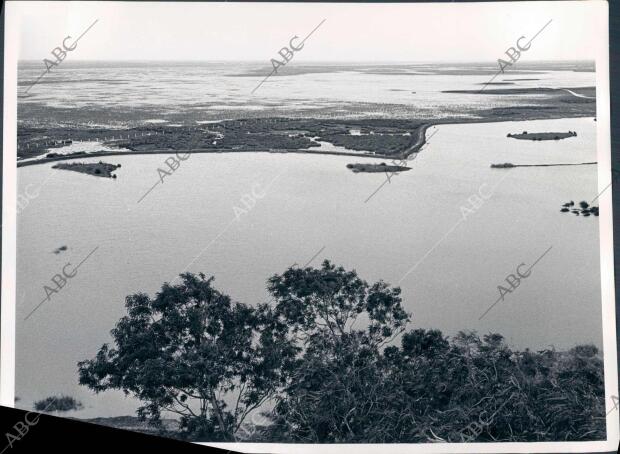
[[374, 168], [496, 83], [98, 169], [508, 165], [543, 135], [584, 208]]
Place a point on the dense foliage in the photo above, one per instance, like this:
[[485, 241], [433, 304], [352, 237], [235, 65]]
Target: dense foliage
[[182, 351], [331, 361]]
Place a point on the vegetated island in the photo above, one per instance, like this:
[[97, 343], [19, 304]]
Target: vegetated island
[[98, 169], [509, 165], [496, 83], [374, 168], [542, 135]]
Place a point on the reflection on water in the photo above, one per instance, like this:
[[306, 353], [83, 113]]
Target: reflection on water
[[316, 201]]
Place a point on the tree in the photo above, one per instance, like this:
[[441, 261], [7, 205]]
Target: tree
[[184, 350], [331, 300], [336, 390]]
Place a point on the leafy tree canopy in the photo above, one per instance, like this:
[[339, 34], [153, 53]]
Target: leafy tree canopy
[[330, 361]]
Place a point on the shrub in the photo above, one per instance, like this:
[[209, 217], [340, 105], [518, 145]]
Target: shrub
[[58, 403], [431, 389]]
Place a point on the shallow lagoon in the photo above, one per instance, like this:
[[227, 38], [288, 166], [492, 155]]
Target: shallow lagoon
[[122, 93], [311, 202]]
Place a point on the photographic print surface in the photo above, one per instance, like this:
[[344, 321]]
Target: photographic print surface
[[265, 224]]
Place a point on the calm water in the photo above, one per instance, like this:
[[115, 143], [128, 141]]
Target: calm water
[[311, 202]]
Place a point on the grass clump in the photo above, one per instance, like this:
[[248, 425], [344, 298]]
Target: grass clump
[[60, 403]]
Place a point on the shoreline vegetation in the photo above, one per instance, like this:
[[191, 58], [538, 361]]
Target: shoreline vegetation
[[370, 137], [577, 94], [311, 368], [419, 133]]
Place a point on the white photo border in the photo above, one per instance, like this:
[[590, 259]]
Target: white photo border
[[13, 22]]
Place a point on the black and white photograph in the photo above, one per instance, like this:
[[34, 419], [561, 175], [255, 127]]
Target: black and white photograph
[[272, 226]]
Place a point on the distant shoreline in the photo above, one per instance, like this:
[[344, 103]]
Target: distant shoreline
[[420, 142]]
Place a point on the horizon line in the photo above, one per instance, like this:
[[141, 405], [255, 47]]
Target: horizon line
[[314, 61]]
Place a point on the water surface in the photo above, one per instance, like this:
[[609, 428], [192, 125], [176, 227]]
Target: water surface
[[413, 225]]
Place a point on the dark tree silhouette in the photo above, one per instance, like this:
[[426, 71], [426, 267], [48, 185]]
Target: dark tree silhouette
[[182, 350], [330, 361]]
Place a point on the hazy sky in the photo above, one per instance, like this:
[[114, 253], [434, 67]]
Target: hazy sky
[[351, 32]]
